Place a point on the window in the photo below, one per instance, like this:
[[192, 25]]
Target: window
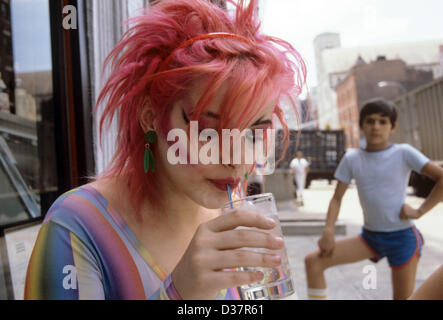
[[27, 143]]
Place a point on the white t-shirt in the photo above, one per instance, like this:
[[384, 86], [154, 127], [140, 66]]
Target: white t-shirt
[[381, 178], [299, 165]]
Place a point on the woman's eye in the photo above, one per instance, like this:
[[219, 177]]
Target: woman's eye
[[202, 125], [251, 136]]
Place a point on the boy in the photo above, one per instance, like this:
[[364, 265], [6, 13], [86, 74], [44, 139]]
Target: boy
[[381, 172]]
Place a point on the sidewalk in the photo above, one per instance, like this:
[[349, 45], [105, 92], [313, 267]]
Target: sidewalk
[[297, 221]]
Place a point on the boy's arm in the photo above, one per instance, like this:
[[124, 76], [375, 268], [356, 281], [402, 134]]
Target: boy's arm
[[434, 172], [326, 242], [334, 205]]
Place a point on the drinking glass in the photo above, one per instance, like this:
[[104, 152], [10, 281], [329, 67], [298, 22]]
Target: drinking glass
[[277, 282]]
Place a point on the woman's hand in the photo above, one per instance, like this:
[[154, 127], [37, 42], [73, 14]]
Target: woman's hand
[[326, 243], [201, 272]]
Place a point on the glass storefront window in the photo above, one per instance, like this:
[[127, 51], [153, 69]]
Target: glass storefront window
[[27, 143]]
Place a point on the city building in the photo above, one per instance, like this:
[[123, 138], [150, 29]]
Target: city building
[[313, 107], [325, 95], [6, 55], [364, 81], [304, 116], [333, 63], [441, 58]]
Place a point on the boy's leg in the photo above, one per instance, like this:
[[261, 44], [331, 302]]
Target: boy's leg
[[346, 251], [403, 279], [403, 273], [432, 288], [300, 187]]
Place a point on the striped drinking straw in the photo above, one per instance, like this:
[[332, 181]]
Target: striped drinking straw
[[230, 196]]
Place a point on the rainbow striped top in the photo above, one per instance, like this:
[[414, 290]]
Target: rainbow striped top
[[85, 250]]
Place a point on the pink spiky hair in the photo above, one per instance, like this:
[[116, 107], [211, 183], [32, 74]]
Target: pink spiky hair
[[257, 71]]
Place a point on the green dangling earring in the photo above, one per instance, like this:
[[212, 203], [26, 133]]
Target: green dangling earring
[[150, 138]]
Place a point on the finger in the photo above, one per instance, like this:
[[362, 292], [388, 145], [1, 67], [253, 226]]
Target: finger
[[239, 218], [230, 259], [230, 279], [325, 253], [235, 239], [321, 251]]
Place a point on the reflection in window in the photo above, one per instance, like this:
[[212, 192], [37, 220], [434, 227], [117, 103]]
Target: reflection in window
[[28, 164], [17, 203]]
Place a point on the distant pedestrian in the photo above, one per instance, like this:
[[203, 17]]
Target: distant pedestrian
[[381, 172], [300, 168]]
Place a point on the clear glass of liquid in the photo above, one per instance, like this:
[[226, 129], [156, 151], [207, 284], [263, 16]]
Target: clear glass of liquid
[[277, 282]]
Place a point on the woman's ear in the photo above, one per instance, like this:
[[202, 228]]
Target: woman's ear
[[394, 127], [147, 118]]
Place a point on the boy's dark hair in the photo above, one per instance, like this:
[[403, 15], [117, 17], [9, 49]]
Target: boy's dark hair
[[386, 108]]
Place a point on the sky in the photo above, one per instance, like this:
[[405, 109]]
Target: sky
[[31, 35], [359, 22]]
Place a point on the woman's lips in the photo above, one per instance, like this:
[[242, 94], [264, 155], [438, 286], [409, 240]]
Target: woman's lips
[[221, 184]]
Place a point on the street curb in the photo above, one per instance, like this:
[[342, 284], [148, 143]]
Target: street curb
[[309, 227]]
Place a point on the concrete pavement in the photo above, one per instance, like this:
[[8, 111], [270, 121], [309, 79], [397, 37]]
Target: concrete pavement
[[346, 282]]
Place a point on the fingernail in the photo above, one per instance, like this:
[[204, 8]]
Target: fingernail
[[270, 221], [276, 258], [280, 240]]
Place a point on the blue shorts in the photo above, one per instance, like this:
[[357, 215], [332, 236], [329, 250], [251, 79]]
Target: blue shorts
[[400, 247]]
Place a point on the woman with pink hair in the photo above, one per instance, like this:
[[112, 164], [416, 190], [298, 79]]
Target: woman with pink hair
[[150, 229]]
